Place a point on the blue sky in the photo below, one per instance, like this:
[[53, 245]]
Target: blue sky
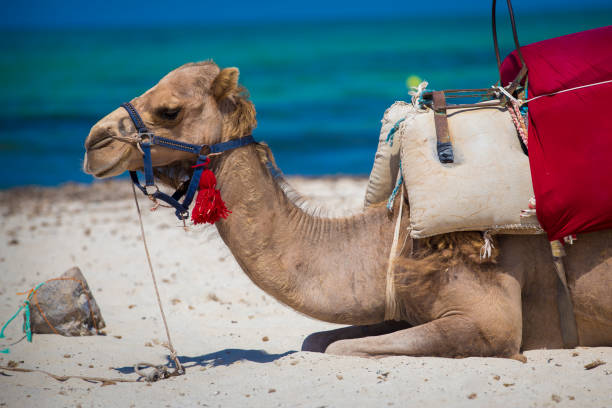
[[71, 13]]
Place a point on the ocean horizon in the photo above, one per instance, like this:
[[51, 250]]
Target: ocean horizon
[[320, 87]]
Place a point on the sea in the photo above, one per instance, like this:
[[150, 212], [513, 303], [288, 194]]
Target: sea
[[320, 87]]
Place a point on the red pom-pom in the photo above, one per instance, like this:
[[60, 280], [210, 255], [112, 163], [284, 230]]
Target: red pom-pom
[[209, 207]]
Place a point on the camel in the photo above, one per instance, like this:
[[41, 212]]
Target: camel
[[452, 303]]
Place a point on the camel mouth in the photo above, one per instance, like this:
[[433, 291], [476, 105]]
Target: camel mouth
[[97, 163], [99, 143], [105, 173]]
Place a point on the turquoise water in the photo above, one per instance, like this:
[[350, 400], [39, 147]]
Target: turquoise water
[[320, 89]]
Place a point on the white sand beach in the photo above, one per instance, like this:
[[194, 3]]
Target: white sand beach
[[240, 347]]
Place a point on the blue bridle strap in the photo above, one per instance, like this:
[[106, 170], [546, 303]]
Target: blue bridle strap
[[231, 144], [148, 139], [140, 126]]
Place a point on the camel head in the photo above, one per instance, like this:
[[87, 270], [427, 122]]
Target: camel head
[[197, 103]]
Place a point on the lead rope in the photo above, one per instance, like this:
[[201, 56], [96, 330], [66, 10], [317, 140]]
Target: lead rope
[[179, 370], [159, 371]]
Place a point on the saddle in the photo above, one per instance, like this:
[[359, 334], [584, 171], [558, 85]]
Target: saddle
[[465, 166], [478, 182], [556, 94], [568, 87]]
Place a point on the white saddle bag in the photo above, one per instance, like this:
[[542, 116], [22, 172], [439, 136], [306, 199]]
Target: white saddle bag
[[485, 188]]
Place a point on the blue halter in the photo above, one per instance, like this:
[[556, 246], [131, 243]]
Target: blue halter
[[146, 139]]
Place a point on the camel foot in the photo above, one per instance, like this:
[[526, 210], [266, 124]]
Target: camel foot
[[347, 348], [519, 357]]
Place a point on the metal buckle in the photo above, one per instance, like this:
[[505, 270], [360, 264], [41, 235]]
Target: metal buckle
[[184, 215], [145, 137], [205, 150], [147, 190]]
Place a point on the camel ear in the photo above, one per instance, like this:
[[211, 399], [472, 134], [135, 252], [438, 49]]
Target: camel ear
[[225, 83]]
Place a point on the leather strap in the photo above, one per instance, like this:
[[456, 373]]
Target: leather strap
[[148, 163], [514, 36], [567, 319], [140, 126], [181, 210], [147, 136], [146, 139], [231, 144], [444, 146]]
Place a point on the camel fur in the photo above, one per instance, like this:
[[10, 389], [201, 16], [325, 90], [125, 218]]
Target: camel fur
[[334, 269]]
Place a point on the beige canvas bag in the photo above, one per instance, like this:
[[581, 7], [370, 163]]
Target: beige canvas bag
[[387, 158], [485, 188]]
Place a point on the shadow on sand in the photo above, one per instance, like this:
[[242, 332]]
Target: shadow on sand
[[219, 358]]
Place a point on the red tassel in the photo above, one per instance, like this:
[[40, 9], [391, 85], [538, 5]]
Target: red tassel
[[209, 207]]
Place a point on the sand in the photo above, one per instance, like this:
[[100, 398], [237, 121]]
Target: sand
[[240, 346]]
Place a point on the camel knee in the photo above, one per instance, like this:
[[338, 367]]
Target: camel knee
[[470, 336], [498, 336]]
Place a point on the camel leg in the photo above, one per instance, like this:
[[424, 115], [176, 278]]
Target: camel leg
[[319, 341], [452, 336]]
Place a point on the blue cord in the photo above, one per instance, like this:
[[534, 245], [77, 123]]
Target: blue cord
[[400, 180], [393, 130]]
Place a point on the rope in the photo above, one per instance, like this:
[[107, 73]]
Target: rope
[[7, 350], [530, 228], [398, 184], [10, 320], [26, 324], [392, 310], [568, 90], [80, 282], [393, 130], [487, 247], [416, 93], [508, 95], [159, 371], [519, 124], [173, 355], [522, 102], [103, 380]]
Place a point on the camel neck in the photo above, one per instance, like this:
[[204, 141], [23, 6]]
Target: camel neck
[[332, 269]]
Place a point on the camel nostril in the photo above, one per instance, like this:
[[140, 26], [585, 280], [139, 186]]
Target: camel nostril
[[99, 136]]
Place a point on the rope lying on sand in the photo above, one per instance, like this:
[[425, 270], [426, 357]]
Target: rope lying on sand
[[173, 355], [159, 371], [103, 380]]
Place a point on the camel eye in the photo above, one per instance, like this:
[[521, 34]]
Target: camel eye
[[168, 113]]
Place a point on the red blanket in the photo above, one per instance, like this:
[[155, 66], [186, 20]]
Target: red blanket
[[570, 134]]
